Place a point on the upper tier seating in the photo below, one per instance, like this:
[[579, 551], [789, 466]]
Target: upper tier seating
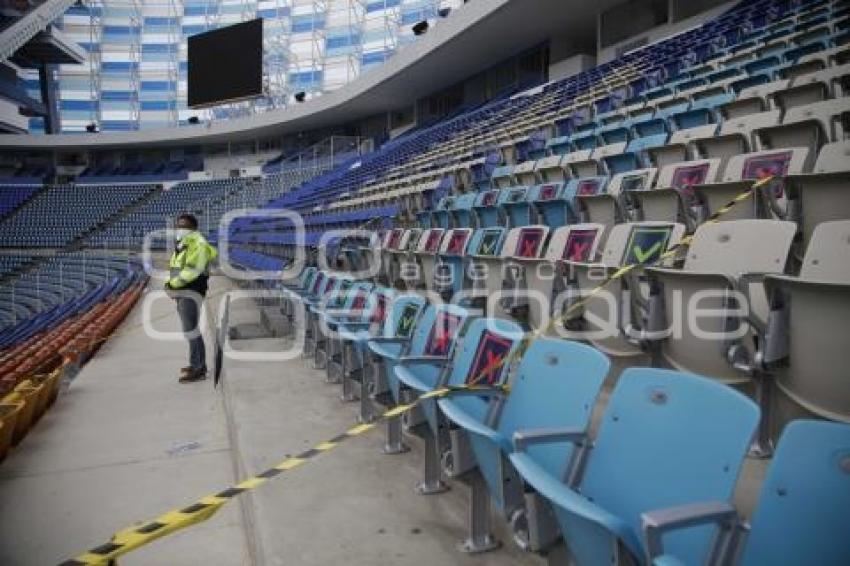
[[37, 224], [12, 196]]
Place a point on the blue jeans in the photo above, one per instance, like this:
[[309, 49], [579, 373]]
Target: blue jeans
[[190, 311]]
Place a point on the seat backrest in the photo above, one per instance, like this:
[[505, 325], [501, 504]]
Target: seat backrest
[[319, 283], [746, 124], [828, 255], [404, 312], [604, 151], [486, 208], [739, 246], [437, 331], [356, 298], [828, 113], [576, 242], [691, 134], [393, 240], [487, 242], [668, 438], [515, 202], [455, 242], [336, 293], [801, 516], [379, 306], [429, 242], [688, 173], [639, 242], [410, 239], [526, 241], [759, 164], [833, 157], [827, 76], [484, 358], [555, 386], [551, 204], [502, 176], [550, 168], [635, 180]]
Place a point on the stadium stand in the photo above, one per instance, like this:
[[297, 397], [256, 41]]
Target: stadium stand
[[704, 172], [603, 171]]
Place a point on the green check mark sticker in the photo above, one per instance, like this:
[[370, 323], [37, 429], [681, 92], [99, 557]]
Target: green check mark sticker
[[643, 255]]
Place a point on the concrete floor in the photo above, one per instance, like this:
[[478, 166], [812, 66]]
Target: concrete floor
[[127, 442]]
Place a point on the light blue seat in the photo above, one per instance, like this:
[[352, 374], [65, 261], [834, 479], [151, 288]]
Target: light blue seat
[[486, 209], [430, 351], [667, 439], [801, 516], [443, 270], [406, 333], [460, 211], [326, 288], [515, 201], [350, 302], [300, 284], [348, 364], [487, 346], [553, 206], [555, 387]]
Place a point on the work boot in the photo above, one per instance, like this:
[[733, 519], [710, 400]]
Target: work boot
[[193, 375]]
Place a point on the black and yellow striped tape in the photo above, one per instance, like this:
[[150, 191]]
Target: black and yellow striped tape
[[129, 539]]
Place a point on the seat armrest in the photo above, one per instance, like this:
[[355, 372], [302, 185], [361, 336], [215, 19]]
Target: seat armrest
[[659, 521], [560, 495], [424, 360], [793, 280], [462, 419], [388, 340], [355, 324], [743, 286], [524, 438], [682, 274], [474, 391]]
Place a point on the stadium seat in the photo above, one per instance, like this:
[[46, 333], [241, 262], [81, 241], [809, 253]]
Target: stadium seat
[[542, 277], [672, 198], [410, 337], [723, 270], [603, 320], [350, 303], [431, 351], [820, 196], [798, 518], [483, 359], [699, 431], [443, 272], [806, 364], [741, 172], [554, 387]]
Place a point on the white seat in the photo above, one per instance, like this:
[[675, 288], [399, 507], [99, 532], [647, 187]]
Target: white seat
[[822, 195], [807, 331]]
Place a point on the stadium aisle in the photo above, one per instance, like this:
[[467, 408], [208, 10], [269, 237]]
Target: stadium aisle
[[352, 505], [125, 444], [128, 443]]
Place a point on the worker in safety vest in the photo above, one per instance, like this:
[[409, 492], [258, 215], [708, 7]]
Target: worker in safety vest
[[189, 276]]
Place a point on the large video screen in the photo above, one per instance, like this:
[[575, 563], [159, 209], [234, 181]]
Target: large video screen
[[226, 64]]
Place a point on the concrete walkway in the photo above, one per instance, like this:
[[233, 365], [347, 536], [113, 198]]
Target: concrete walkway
[[126, 443]]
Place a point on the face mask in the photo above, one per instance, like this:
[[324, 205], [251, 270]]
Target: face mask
[[181, 233]]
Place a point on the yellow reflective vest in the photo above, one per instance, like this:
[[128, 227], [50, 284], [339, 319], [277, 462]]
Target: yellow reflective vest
[[190, 262]]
